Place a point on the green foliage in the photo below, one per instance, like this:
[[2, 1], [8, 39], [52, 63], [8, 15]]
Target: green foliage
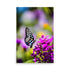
[[29, 61]]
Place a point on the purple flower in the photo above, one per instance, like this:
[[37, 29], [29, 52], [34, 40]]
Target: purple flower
[[19, 61], [18, 41], [41, 17], [43, 51], [28, 18], [23, 44], [39, 14]]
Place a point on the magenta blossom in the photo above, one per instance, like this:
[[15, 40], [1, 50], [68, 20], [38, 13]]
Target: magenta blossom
[[43, 51], [22, 43], [18, 41]]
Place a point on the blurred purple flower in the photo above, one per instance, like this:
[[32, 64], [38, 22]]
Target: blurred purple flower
[[43, 51], [39, 14], [28, 17], [41, 17], [18, 41], [19, 61], [23, 45], [22, 32]]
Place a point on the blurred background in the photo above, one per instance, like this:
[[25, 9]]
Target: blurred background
[[40, 22]]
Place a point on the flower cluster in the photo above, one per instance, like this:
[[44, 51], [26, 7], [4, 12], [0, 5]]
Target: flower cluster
[[43, 51]]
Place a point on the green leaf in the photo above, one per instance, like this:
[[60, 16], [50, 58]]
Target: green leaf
[[29, 61]]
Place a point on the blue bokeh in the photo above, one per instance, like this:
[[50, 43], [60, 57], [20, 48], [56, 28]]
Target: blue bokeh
[[22, 9]]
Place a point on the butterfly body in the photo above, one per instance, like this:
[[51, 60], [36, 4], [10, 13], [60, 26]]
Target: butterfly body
[[29, 39]]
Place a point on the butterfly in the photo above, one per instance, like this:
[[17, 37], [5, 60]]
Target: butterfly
[[29, 38]]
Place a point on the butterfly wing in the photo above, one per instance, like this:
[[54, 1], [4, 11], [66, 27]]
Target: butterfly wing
[[27, 31], [29, 39]]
